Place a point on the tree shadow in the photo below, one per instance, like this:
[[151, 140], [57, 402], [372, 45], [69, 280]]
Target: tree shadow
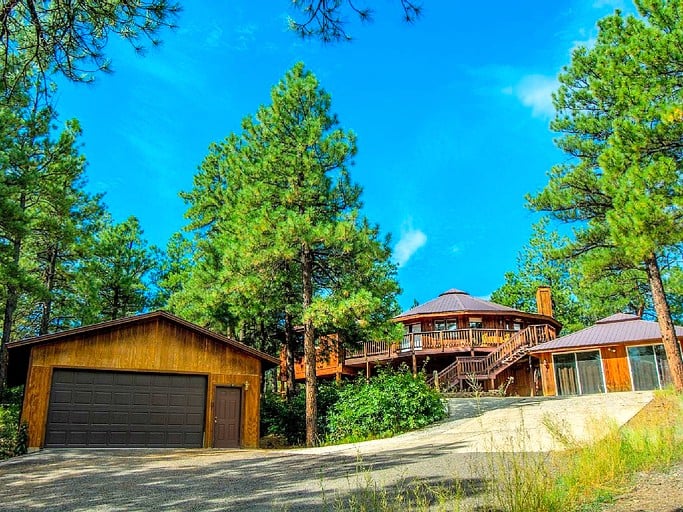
[[216, 480]]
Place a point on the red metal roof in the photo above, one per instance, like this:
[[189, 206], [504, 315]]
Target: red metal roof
[[456, 301], [619, 328]]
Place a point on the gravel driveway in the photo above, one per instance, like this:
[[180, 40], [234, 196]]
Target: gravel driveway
[[302, 479]]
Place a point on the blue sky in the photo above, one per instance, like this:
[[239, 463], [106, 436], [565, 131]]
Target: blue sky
[[451, 115]]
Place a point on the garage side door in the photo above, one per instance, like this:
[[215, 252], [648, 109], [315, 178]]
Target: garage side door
[[125, 409]]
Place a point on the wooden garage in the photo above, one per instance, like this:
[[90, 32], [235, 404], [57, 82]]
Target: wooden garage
[[152, 380]]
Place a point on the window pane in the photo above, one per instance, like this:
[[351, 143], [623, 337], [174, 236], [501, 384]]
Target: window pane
[[452, 325], [643, 368], [439, 325], [565, 374], [589, 367], [663, 366]]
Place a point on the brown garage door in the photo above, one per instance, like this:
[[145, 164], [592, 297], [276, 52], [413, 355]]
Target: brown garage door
[[125, 409]]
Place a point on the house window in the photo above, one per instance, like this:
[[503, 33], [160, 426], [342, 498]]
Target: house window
[[579, 373], [445, 325], [476, 323], [649, 367]]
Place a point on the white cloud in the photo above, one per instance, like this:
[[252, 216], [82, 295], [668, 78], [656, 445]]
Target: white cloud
[[535, 92], [411, 240]]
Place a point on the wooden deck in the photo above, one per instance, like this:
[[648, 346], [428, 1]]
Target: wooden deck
[[431, 342]]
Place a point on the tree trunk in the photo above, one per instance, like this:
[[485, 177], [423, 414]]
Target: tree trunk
[[11, 301], [309, 347], [8, 318], [49, 285], [290, 350], [666, 324]]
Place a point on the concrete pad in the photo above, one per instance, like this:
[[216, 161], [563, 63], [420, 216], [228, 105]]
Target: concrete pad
[[491, 424]]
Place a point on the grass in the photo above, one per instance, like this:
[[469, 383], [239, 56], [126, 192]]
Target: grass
[[368, 495], [586, 475], [578, 479]]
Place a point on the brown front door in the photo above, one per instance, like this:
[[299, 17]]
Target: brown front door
[[227, 417]]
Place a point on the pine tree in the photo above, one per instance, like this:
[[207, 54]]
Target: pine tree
[[282, 230], [619, 115], [36, 170]]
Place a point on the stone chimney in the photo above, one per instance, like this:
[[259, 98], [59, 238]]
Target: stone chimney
[[544, 301]]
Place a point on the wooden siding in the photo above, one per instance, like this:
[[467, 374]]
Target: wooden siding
[[328, 362], [154, 346], [522, 382], [615, 368]]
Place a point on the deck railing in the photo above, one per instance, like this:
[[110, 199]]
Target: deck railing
[[433, 340], [501, 357]]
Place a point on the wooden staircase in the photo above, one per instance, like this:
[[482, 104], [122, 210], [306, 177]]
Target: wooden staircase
[[489, 366]]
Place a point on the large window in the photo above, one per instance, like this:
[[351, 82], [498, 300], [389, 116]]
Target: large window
[[649, 367], [445, 325], [476, 323], [579, 373]]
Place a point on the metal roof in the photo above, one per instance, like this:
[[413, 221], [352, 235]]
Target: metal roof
[[456, 301], [619, 328]]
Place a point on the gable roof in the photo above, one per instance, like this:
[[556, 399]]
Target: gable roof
[[618, 328], [141, 318]]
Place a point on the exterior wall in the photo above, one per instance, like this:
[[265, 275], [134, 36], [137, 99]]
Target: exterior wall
[[522, 383], [155, 346], [328, 361], [615, 366]]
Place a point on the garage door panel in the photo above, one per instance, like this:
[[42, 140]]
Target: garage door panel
[[81, 397], [84, 378], [62, 397], [102, 398], [176, 399], [79, 418], [125, 409], [159, 399], [103, 378], [77, 438], [118, 439], [121, 398]]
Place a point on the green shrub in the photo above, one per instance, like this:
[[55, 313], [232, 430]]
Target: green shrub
[[9, 424], [288, 418], [388, 404]]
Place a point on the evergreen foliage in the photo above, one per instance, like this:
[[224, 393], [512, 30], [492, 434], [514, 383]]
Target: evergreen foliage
[[388, 404], [578, 300], [287, 417], [279, 237], [619, 112]]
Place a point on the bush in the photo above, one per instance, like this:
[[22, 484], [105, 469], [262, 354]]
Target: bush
[[288, 419], [388, 404], [11, 442]]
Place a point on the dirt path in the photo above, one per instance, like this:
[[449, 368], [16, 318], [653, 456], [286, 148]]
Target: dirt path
[[652, 491]]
